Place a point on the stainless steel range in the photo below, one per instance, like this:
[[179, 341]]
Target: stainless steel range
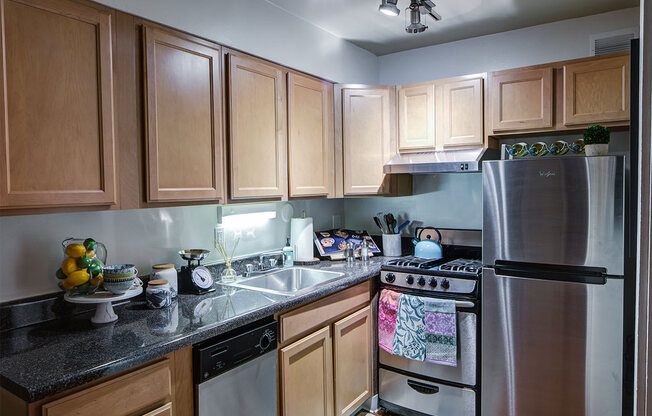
[[410, 387]]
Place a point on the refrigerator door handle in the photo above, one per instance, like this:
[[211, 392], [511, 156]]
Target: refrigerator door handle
[[556, 272]]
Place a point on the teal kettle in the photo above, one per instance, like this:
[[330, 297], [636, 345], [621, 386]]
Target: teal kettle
[[425, 246]]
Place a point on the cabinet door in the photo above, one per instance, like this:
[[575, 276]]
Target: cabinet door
[[310, 136], [57, 105], [368, 131], [462, 115], [522, 99], [184, 118], [307, 376], [596, 91], [258, 136], [416, 117], [353, 362]]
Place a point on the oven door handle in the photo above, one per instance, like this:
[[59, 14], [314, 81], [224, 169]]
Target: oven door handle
[[423, 388], [464, 304]]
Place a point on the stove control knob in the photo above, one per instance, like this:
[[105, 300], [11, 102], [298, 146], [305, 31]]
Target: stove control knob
[[389, 277], [421, 281], [432, 282], [445, 284], [409, 279]]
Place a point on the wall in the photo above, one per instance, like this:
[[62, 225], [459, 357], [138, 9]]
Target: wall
[[31, 250], [446, 200], [558, 41], [259, 28]]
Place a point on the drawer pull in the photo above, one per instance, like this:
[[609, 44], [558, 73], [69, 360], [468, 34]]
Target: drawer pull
[[422, 387]]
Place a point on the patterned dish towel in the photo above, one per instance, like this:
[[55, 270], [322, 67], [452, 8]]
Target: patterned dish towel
[[409, 338], [441, 331], [387, 307]]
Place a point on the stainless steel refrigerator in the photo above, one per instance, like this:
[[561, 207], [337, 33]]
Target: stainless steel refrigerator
[[552, 286]]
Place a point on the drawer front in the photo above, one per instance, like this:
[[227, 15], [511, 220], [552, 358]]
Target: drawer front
[[306, 319], [135, 393], [426, 397], [165, 410], [465, 370]]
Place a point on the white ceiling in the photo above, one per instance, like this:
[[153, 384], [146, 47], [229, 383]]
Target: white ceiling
[[359, 21]]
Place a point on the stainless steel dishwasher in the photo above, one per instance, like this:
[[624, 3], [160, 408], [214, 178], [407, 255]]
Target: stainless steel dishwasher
[[235, 373]]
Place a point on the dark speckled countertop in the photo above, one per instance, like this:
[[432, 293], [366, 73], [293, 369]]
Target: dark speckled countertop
[[47, 358]]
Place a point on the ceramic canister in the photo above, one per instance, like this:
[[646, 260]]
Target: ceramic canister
[[158, 294], [166, 272]]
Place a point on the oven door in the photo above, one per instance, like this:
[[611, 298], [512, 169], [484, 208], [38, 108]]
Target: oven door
[[465, 372]]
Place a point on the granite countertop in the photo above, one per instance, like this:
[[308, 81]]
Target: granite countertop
[[40, 360]]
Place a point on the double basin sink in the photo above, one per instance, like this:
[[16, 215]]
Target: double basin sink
[[288, 282]]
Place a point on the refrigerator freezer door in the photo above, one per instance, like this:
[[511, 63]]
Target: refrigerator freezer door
[[560, 211], [551, 347]]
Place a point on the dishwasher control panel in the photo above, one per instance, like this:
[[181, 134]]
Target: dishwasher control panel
[[220, 354]]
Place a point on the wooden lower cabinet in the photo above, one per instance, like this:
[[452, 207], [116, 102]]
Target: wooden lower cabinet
[[307, 375], [352, 361], [160, 388], [328, 372]]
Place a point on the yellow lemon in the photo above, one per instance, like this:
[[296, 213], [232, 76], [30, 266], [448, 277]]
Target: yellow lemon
[[75, 250], [78, 277], [69, 265], [67, 285], [95, 281], [90, 253]]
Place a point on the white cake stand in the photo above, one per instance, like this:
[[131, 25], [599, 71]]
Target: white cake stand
[[104, 311]]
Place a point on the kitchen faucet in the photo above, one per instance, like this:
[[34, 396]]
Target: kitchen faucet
[[261, 267]]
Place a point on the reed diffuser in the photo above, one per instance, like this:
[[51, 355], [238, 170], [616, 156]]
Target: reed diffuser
[[228, 275]]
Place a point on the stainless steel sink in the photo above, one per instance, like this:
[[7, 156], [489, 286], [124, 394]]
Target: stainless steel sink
[[289, 281]]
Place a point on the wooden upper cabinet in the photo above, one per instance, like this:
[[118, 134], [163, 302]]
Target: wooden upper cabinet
[[183, 117], [310, 137], [597, 90], [57, 105], [257, 129], [521, 99], [416, 117], [368, 138], [462, 112], [352, 361], [306, 376]]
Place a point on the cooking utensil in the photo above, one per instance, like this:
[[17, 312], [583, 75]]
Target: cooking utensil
[[389, 220], [400, 227], [379, 224]]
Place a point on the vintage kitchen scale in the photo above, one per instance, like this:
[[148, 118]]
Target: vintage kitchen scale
[[195, 279]]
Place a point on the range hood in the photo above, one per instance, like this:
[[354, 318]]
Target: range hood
[[464, 160]]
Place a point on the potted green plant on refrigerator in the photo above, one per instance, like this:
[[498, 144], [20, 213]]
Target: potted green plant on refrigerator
[[596, 140]]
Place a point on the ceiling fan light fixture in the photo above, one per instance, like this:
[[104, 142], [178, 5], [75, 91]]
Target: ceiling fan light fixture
[[389, 8], [413, 18]]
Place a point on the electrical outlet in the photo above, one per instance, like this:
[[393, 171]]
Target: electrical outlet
[[219, 235]]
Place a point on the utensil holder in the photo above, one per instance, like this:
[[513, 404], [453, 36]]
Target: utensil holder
[[392, 245]]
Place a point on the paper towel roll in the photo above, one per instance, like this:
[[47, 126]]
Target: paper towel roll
[[301, 238]]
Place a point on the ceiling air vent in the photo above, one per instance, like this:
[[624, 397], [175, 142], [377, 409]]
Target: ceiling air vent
[[611, 42]]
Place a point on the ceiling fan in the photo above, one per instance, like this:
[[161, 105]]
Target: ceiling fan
[[412, 13]]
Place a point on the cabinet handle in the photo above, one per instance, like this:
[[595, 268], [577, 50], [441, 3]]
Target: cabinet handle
[[422, 387]]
